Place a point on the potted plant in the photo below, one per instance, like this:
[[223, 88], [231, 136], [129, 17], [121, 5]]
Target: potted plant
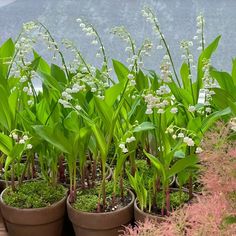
[[24, 206]]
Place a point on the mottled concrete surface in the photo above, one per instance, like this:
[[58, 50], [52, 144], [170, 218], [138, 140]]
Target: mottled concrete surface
[[177, 19]]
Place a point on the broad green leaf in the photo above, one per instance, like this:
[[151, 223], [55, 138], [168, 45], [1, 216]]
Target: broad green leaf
[[105, 111], [221, 98], [157, 164], [182, 164], [6, 118], [43, 65], [5, 144], [187, 97], [121, 70], [16, 151], [101, 141], [6, 53], [13, 102], [195, 124], [211, 119], [144, 126], [141, 81], [225, 81], [55, 137], [112, 93], [184, 72], [42, 111], [179, 154], [50, 82], [206, 54], [71, 122], [58, 74]]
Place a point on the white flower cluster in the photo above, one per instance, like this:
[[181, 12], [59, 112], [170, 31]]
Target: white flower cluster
[[158, 101], [146, 48], [208, 83], [177, 132], [21, 139], [185, 46], [91, 32], [152, 19], [165, 69], [188, 141], [135, 57], [32, 33], [85, 75], [232, 124], [198, 150], [123, 145], [200, 32], [85, 72], [67, 95], [191, 108], [131, 78]]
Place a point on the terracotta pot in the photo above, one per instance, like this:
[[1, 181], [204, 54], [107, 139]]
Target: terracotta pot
[[100, 224], [46, 221], [140, 215]]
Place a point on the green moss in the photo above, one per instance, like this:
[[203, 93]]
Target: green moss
[[35, 194], [176, 199], [86, 202], [87, 199]]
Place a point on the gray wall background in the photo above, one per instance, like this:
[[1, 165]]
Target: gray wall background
[[177, 18]]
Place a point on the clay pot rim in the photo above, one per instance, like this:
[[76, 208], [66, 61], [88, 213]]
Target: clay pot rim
[[157, 216], [103, 213], [149, 215], [30, 209]]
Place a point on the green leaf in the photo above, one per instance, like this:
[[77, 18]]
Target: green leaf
[[6, 53], [234, 71], [58, 74], [112, 93], [225, 81], [206, 54], [157, 164], [43, 65], [144, 126], [221, 98], [16, 152], [55, 137], [101, 141], [121, 70], [104, 111], [5, 144], [71, 122], [42, 111], [179, 154], [182, 164], [50, 82], [6, 118], [211, 119], [13, 101], [186, 96], [184, 72], [195, 124], [141, 81]]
